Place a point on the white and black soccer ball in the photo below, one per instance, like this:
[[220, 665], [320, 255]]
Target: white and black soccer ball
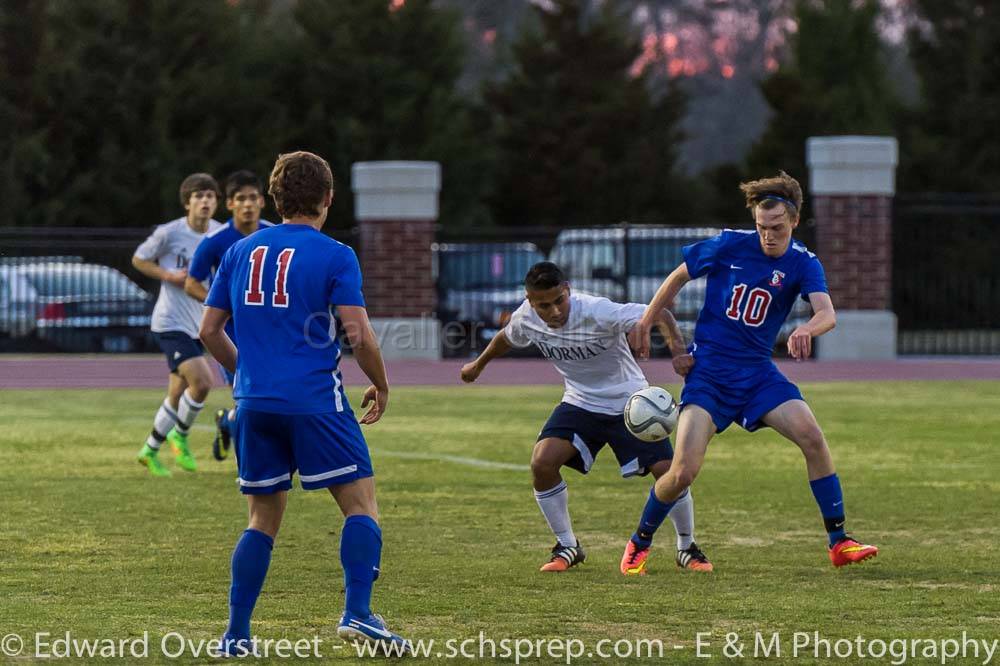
[[651, 414]]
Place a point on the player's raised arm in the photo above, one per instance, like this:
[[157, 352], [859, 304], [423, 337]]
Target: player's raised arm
[[354, 319], [824, 319], [497, 347], [638, 337]]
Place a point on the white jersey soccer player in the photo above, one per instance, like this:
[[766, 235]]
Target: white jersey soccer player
[[585, 338], [172, 246], [589, 350], [165, 256]]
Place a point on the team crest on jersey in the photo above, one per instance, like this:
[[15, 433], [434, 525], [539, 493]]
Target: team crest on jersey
[[776, 278]]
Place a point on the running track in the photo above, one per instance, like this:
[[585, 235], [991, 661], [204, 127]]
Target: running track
[[149, 371]]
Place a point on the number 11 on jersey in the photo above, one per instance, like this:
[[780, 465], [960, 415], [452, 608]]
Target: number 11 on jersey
[[254, 294]]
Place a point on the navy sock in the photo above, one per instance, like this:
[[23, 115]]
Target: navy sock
[[360, 553], [251, 558], [830, 499], [653, 515]]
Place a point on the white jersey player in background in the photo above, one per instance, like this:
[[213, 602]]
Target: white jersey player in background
[[165, 256], [585, 337]]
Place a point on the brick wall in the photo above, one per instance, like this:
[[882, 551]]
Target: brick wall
[[854, 242], [396, 262]]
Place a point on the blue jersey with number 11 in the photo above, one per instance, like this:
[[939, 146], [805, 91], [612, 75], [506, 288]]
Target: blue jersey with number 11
[[280, 285], [749, 294]]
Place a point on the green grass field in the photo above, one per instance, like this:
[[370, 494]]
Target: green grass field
[[94, 546]]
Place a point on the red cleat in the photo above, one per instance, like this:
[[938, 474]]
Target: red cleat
[[634, 560], [848, 551]]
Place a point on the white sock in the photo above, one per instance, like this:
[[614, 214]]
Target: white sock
[[554, 504], [164, 420], [682, 516], [187, 412]]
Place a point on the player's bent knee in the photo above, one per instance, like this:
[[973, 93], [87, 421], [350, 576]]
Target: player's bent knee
[[683, 475], [549, 455], [811, 440]]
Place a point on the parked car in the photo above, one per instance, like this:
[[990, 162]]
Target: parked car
[[630, 263], [479, 285], [80, 307], [17, 304]]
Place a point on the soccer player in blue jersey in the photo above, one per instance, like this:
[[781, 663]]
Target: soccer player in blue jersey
[[754, 278], [280, 287], [245, 198]]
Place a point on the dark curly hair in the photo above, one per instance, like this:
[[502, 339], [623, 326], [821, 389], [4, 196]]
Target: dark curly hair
[[298, 184]]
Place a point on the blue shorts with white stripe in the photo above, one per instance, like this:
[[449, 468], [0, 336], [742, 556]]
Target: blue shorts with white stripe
[[326, 449]]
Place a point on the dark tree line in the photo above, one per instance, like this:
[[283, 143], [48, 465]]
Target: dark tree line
[[106, 104]]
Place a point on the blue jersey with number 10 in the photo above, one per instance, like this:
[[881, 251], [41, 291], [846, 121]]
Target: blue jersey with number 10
[[749, 294], [280, 284]]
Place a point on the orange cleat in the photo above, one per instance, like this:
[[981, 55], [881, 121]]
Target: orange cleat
[[564, 557], [848, 551], [692, 558], [634, 560]]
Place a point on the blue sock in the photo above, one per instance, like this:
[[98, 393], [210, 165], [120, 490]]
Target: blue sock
[[830, 499], [251, 557], [653, 515], [360, 552]]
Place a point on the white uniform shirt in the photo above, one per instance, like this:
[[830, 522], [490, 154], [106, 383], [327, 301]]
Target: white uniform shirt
[[590, 350], [172, 245]]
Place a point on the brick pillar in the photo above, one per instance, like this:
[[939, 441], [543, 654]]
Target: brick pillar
[[852, 182], [396, 206]]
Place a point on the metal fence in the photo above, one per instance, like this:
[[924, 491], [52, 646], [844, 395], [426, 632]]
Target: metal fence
[[481, 273], [946, 274], [75, 290]]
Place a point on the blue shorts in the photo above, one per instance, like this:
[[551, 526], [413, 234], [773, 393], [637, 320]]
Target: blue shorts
[[590, 431], [178, 347], [327, 449], [737, 393]]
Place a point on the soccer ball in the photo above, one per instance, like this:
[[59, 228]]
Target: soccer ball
[[651, 414]]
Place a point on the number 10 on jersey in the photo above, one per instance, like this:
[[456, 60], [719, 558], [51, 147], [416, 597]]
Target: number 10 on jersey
[[755, 311], [254, 295]]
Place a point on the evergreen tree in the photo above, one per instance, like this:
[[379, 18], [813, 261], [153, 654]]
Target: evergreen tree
[[581, 139], [949, 142], [833, 83], [367, 80], [22, 154]]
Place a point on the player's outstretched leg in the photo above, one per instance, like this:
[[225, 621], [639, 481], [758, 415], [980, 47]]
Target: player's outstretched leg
[[794, 420], [843, 549]]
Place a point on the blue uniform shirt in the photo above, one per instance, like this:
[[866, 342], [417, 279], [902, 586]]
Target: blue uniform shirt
[[280, 284], [749, 294], [210, 251]]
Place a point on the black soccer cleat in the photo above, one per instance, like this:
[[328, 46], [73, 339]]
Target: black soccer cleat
[[220, 445], [692, 558], [564, 557]]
